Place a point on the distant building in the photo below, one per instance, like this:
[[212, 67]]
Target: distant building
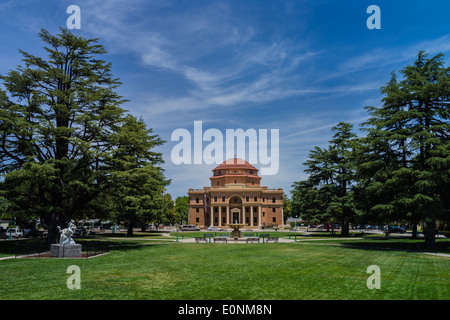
[[236, 196]]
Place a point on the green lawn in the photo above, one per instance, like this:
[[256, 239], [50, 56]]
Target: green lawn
[[303, 270]]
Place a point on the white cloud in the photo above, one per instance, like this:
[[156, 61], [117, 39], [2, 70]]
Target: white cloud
[[225, 67], [255, 72], [383, 58]]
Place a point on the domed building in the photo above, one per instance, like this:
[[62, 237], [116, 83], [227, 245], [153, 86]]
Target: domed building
[[236, 196]]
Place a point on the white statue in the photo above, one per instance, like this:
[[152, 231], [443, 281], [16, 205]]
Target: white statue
[[66, 234]]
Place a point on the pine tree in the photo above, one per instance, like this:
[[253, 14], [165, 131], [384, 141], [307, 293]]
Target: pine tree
[[327, 194], [136, 179], [59, 119], [406, 164]]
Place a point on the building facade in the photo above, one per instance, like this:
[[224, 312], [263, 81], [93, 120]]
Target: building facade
[[236, 196]]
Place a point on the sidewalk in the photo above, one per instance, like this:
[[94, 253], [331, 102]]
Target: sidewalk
[[232, 241]]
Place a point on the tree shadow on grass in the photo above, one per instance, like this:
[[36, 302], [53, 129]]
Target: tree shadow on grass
[[36, 246], [145, 234], [416, 245]]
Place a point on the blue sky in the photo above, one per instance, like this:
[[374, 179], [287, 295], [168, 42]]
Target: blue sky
[[297, 66]]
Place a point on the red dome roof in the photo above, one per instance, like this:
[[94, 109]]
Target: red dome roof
[[235, 164]]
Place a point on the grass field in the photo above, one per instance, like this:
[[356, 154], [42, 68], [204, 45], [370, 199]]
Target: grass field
[[311, 270]]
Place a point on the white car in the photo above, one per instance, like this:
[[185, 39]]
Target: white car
[[14, 233], [214, 229], [190, 227]]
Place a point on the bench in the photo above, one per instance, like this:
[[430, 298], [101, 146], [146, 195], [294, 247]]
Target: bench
[[224, 235], [199, 239], [208, 235], [252, 240], [272, 239], [219, 239]]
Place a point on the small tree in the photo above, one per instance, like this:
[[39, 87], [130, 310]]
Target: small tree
[[182, 208], [137, 183], [328, 190]]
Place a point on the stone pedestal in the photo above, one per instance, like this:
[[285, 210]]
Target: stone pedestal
[[235, 234], [65, 251]]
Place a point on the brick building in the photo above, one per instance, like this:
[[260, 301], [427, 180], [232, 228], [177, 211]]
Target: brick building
[[236, 196]]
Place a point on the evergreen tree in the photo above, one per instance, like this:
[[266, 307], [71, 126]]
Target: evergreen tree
[[59, 119], [309, 202], [137, 182], [327, 194], [406, 168], [182, 208]]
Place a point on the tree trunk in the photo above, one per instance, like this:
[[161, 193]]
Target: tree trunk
[[414, 230], [345, 228], [53, 223], [130, 228], [53, 234], [430, 233]]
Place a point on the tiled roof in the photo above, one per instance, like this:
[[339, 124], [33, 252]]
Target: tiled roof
[[235, 164]]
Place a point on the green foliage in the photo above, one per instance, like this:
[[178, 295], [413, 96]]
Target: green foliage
[[400, 169], [404, 167], [327, 196], [67, 147], [135, 181], [287, 206], [182, 208]]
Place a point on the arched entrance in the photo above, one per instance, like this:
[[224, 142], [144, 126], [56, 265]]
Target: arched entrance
[[235, 215], [235, 205]]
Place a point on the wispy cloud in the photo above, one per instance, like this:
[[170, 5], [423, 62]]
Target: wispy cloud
[[216, 66], [188, 44], [8, 4], [383, 57]]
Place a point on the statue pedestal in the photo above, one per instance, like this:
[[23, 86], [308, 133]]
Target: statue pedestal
[[65, 251], [236, 234]]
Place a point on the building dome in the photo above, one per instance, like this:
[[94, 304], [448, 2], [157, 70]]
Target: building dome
[[235, 164], [236, 195]]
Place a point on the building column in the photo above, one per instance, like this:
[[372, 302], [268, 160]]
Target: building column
[[220, 216], [228, 214], [212, 215], [251, 216], [243, 214], [259, 216]]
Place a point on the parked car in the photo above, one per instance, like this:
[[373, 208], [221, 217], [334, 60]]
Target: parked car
[[395, 229], [32, 233], [14, 233], [79, 232], [190, 227], [97, 230], [214, 229]]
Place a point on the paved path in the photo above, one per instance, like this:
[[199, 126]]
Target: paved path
[[232, 241]]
